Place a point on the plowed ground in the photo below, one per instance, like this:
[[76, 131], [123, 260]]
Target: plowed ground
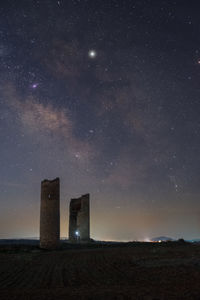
[[150, 271]]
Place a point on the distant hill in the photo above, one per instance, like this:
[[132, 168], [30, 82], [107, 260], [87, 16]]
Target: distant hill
[[162, 239], [194, 241]]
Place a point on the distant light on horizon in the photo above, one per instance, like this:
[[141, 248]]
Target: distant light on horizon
[[146, 240]]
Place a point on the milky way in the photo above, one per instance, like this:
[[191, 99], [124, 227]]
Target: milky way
[[104, 95]]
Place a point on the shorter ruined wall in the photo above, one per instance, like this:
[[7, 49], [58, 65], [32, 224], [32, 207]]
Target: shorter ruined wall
[[50, 214], [79, 219]]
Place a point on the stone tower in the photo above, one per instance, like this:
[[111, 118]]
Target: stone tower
[[79, 219], [50, 214]]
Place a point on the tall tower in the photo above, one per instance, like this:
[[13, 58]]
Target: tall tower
[[79, 219], [50, 214]]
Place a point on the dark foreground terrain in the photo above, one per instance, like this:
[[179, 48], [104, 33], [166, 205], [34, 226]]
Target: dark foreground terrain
[[113, 271]]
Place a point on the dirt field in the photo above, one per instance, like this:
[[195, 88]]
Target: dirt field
[[135, 271]]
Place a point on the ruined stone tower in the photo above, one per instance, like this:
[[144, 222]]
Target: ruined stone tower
[[50, 214], [79, 219]]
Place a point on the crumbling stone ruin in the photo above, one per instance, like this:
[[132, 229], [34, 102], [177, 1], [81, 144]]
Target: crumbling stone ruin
[[50, 214], [79, 219]]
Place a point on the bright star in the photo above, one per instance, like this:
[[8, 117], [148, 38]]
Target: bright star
[[77, 155], [34, 85], [92, 53]]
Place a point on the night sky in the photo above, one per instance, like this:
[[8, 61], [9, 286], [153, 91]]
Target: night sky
[[105, 95]]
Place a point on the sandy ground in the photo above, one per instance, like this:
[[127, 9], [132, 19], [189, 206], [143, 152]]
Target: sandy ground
[[140, 271]]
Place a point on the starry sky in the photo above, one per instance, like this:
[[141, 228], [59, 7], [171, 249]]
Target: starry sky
[[104, 94]]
